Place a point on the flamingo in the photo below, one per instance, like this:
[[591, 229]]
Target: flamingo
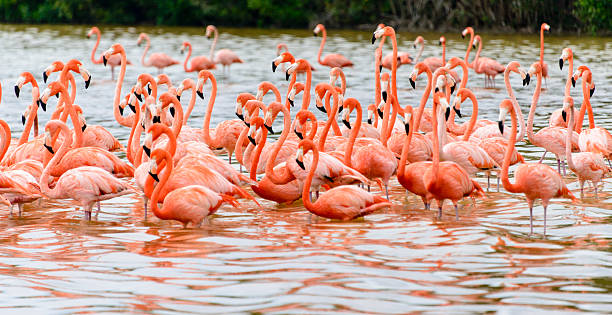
[[113, 61], [402, 57], [187, 204], [85, 184], [339, 203], [543, 28], [290, 58], [226, 57], [117, 49], [157, 60], [535, 180], [558, 118], [446, 180], [588, 166], [197, 63], [330, 60], [96, 135], [487, 66]]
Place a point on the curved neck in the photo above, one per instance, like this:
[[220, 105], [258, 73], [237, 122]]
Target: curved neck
[[335, 126], [214, 43], [211, 102], [348, 152], [118, 86], [270, 173], [70, 111], [436, 143], [541, 48], [568, 140], [534, 104], [307, 85], [93, 51], [477, 54], [238, 149], [256, 155], [424, 98], [394, 66], [190, 69], [513, 188], [136, 128], [404, 157], [191, 105], [6, 138], [165, 175], [306, 189], [322, 45], [470, 128], [377, 87], [469, 48], [177, 124], [144, 53], [515, 103], [32, 118], [570, 71], [443, 53], [291, 83], [44, 178], [330, 119], [416, 60]]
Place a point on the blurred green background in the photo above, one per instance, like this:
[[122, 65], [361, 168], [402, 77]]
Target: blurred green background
[[593, 16]]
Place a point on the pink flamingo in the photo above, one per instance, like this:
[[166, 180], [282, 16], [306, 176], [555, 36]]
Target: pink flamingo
[[535, 180], [588, 166], [468, 31], [117, 49], [290, 59], [339, 203], [330, 60], [187, 204], [86, 184], [487, 66], [402, 57], [157, 60], [559, 118], [226, 57], [447, 180], [197, 63], [113, 62]]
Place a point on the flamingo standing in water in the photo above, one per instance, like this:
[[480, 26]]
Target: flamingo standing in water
[[112, 62], [157, 60], [226, 57], [187, 204], [588, 166], [535, 180], [487, 66], [197, 63], [85, 184], [330, 60], [339, 203]]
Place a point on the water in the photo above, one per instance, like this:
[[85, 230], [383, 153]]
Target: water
[[281, 259]]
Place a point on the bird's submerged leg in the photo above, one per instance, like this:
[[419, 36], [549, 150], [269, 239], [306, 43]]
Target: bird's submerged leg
[[113, 73], [98, 210], [563, 164], [530, 219], [488, 181], [387, 190], [368, 188], [543, 156], [11, 211], [20, 207], [545, 206], [595, 185], [582, 189], [145, 204], [497, 182], [559, 166]]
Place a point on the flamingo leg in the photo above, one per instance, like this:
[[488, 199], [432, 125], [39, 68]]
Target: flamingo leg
[[456, 212], [582, 189], [542, 158], [368, 188], [545, 206], [530, 219], [20, 207], [488, 181], [11, 211], [113, 73], [145, 202], [563, 164], [98, 210], [595, 189], [497, 182], [559, 166], [387, 191]]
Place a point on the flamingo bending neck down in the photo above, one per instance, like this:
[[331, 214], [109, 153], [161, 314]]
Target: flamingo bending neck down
[[330, 60], [157, 60]]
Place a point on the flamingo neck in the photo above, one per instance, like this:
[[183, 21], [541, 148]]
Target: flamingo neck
[[55, 193], [306, 189], [162, 213], [436, 144], [270, 173], [238, 149], [307, 86], [190, 69], [394, 66], [469, 48], [32, 119], [421, 49], [470, 128], [95, 48], [135, 126], [191, 105], [404, 157], [118, 86], [515, 104], [424, 98], [211, 102], [513, 188], [534, 104], [541, 48], [477, 54], [568, 139], [331, 118], [348, 151], [377, 87], [323, 39], [214, 43], [570, 71], [144, 53], [6, 138], [443, 53], [291, 83], [257, 154], [335, 126]]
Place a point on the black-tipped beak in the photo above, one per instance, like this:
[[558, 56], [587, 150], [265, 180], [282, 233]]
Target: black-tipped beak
[[248, 124], [154, 176], [439, 43], [462, 36], [156, 119], [132, 108], [314, 34], [561, 64], [138, 96], [384, 95], [240, 116], [200, 94], [104, 60], [287, 75], [453, 88], [45, 76], [17, 90], [436, 89], [380, 68], [49, 148], [178, 97], [269, 129], [172, 111], [321, 108], [23, 119], [149, 89], [457, 111], [373, 39], [146, 150], [340, 108], [87, 82], [573, 83], [273, 67], [300, 164], [346, 123], [299, 134], [564, 115], [252, 140], [407, 128], [447, 113], [291, 103], [42, 105], [120, 110], [412, 83], [592, 91], [528, 78], [500, 125], [414, 46], [380, 112], [369, 121], [83, 128]]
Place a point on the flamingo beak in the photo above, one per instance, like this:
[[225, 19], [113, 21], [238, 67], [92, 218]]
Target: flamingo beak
[[138, 96], [240, 116], [291, 103], [49, 148], [384, 95], [373, 39], [564, 115], [299, 134], [87, 82], [156, 119], [45, 76], [120, 110], [104, 60], [42, 105], [154, 176], [23, 119], [407, 128], [146, 150], [287, 75], [561, 63], [457, 111], [252, 140], [573, 83], [592, 91], [273, 67], [412, 83], [321, 108], [17, 90], [447, 113], [133, 108], [300, 164], [500, 125], [269, 129], [346, 123], [200, 94], [172, 111], [149, 88], [453, 88], [380, 68], [369, 121]]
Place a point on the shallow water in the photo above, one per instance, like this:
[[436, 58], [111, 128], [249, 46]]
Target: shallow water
[[281, 259]]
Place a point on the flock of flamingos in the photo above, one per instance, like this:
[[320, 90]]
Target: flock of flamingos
[[177, 170]]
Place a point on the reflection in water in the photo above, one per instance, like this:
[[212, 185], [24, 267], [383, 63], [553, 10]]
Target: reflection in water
[[280, 258]]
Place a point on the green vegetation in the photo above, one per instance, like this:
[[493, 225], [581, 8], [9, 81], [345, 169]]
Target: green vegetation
[[519, 15]]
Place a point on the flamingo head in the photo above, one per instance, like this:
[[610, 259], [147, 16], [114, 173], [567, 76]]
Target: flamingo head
[[333, 75], [371, 110], [24, 78], [505, 107], [186, 45], [53, 67], [283, 57], [154, 166], [477, 39], [114, 49], [407, 118], [141, 37], [378, 58], [418, 41], [318, 29], [241, 101], [295, 90], [568, 107], [454, 62], [81, 119], [256, 123], [263, 89], [250, 110], [186, 84], [77, 66], [535, 69], [53, 88], [294, 66], [93, 30], [565, 55], [163, 79], [203, 76], [515, 66], [273, 109], [442, 40], [210, 29], [545, 27], [384, 82], [385, 31], [466, 31], [347, 107], [303, 147]]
